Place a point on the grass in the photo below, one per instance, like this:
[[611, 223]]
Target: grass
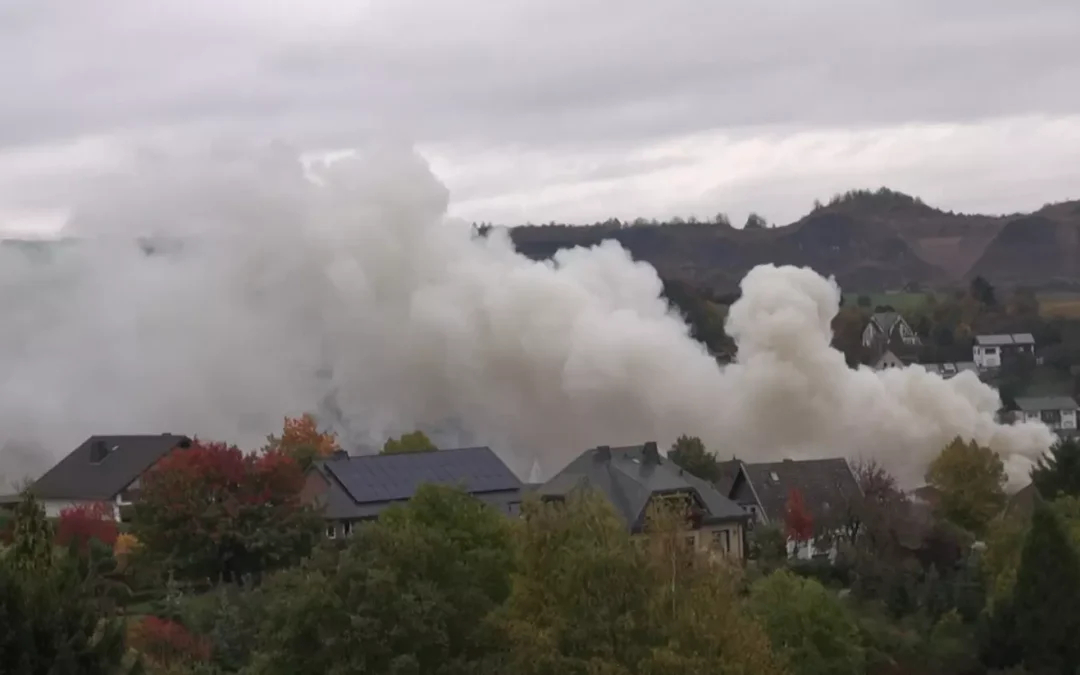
[[900, 301], [1059, 304]]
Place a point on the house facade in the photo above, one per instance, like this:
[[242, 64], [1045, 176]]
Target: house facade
[[991, 351], [885, 329], [103, 469], [828, 489], [1057, 412], [354, 488], [635, 478]]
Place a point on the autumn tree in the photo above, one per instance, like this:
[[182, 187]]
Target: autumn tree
[[689, 453], [301, 439], [588, 598], [79, 525], [798, 522], [807, 625], [1057, 474], [210, 512], [409, 594], [1047, 597], [416, 441], [970, 481]]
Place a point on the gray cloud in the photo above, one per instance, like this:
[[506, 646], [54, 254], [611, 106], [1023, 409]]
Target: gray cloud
[[558, 71]]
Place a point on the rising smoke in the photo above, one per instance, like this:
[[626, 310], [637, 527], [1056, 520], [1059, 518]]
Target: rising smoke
[[342, 288]]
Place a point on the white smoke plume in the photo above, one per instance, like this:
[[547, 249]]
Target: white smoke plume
[[346, 290]]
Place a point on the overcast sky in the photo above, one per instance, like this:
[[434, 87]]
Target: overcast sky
[[572, 110]]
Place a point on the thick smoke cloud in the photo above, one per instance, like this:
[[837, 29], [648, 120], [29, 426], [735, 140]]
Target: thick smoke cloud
[[343, 288]]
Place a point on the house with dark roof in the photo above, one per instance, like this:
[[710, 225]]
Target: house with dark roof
[[990, 351], [1056, 412], [103, 469], [635, 477], [355, 488], [828, 488], [888, 329]]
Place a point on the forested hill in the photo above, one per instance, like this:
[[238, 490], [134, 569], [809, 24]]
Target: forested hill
[[869, 240]]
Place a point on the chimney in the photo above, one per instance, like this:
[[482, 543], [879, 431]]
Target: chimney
[[98, 451], [603, 453], [651, 453], [340, 454]]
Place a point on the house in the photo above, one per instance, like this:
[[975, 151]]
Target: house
[[1056, 412], [885, 329], [355, 488], [948, 370], [103, 469], [633, 478], [990, 351], [828, 488]]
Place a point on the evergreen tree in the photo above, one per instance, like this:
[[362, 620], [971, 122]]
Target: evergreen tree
[[1058, 473], [1047, 597]]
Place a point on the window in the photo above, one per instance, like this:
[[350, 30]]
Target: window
[[722, 540], [514, 508], [347, 527], [331, 531], [774, 477], [691, 541]]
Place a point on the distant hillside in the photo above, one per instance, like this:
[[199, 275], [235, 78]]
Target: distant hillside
[[868, 240]]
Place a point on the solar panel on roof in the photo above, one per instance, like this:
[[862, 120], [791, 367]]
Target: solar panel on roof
[[377, 478]]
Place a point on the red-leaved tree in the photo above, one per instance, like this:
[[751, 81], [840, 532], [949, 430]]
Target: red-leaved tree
[[799, 522], [167, 643], [211, 512], [78, 525]]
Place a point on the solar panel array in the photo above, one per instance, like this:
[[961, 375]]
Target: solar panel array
[[380, 478]]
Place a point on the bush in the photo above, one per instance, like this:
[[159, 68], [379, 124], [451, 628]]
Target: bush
[[164, 642]]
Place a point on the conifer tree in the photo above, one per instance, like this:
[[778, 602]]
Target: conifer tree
[[1047, 597]]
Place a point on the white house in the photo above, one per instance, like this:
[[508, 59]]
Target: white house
[[884, 328], [103, 469], [990, 351], [1056, 412]]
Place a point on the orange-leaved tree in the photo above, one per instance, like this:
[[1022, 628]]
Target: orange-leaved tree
[[799, 522], [301, 439], [210, 511]]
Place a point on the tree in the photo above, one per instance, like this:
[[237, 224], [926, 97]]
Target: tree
[[1058, 473], [689, 453], [589, 598], [1047, 597], [809, 626], [970, 481], [722, 219], [51, 620], [755, 222], [79, 525], [798, 522], [409, 594], [417, 441], [983, 292], [302, 440], [210, 512]]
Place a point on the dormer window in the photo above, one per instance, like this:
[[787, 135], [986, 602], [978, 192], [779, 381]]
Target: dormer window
[[774, 477]]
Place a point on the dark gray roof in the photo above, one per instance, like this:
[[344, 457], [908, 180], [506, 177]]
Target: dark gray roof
[[826, 485], [364, 485], [77, 477], [886, 321], [1039, 403], [628, 481]]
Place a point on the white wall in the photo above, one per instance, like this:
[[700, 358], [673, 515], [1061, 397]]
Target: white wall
[[986, 357]]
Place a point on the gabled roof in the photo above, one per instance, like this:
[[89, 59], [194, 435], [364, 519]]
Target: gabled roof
[[1040, 403], [886, 321], [79, 477], [363, 485], [826, 485], [630, 476]]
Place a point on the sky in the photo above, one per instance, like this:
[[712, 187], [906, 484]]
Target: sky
[[566, 110]]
